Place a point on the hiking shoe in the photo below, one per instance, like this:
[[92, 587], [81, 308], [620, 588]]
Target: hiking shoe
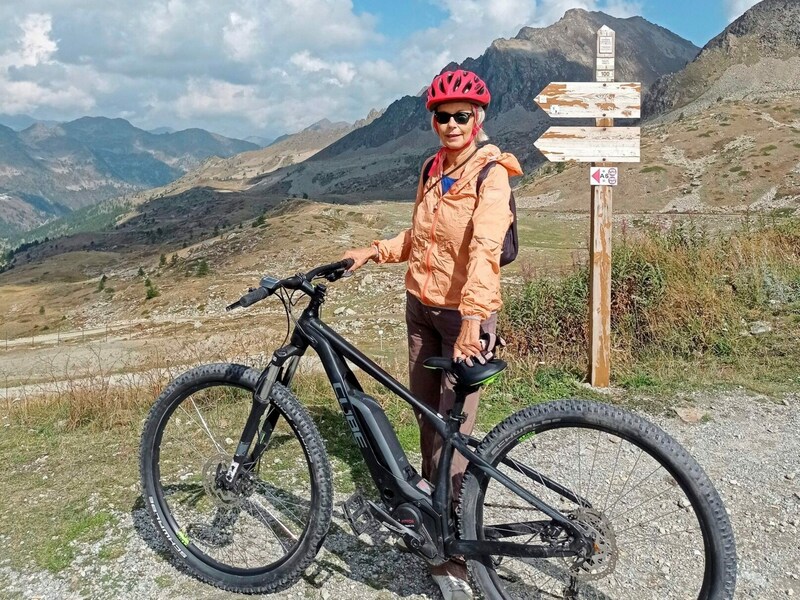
[[453, 588]]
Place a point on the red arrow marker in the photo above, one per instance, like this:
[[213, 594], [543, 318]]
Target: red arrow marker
[[596, 176]]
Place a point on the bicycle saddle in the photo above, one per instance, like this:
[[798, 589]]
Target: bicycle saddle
[[477, 374]]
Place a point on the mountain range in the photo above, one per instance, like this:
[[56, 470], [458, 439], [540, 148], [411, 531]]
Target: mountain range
[[752, 62], [756, 56], [388, 152], [721, 135], [49, 170]]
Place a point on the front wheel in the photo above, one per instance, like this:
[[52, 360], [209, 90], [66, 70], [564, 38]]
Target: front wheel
[[659, 529], [259, 534]]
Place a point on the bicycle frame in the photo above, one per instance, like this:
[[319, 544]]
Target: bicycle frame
[[394, 476]]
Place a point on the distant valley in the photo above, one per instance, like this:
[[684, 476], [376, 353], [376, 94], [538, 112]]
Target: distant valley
[[48, 170]]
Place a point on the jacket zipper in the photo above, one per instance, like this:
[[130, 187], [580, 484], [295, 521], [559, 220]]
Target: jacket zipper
[[424, 298]]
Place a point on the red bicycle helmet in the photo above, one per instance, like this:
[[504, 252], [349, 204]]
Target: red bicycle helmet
[[458, 85]]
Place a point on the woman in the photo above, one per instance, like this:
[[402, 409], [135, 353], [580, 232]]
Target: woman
[[453, 250]]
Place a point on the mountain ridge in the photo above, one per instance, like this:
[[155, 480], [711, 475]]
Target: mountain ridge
[[757, 56], [74, 164], [388, 152]]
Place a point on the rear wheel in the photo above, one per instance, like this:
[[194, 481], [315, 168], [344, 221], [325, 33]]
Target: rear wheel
[[659, 528], [259, 534]]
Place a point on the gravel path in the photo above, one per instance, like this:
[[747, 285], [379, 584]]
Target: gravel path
[[749, 446]]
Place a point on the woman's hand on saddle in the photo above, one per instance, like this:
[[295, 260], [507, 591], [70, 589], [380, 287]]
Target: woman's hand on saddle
[[488, 343], [360, 256], [468, 344]]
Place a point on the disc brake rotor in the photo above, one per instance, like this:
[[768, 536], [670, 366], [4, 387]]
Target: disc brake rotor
[[213, 471], [603, 560]]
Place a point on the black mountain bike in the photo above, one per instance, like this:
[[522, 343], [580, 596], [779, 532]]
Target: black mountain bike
[[569, 499]]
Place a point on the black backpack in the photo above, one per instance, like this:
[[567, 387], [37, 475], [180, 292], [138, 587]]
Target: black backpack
[[511, 241]]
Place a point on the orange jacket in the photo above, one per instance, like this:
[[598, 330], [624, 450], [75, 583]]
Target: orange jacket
[[454, 242]]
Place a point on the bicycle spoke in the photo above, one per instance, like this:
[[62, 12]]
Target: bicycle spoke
[[207, 430]]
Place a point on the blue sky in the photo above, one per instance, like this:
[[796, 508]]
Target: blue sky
[[267, 67], [696, 20]]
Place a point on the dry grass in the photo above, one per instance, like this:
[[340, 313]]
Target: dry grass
[[677, 294], [101, 394]]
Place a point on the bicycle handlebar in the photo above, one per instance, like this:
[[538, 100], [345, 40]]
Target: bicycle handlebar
[[270, 285]]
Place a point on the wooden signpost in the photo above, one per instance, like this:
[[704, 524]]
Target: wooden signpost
[[591, 98], [604, 101], [590, 144]]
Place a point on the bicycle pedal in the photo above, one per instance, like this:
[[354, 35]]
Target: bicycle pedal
[[359, 515]]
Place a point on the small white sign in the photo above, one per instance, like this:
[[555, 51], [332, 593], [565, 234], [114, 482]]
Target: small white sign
[[604, 76], [605, 64], [603, 175], [605, 45]]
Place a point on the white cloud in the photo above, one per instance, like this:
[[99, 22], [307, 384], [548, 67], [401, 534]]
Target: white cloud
[[207, 98], [736, 8], [35, 48], [343, 72], [255, 66], [622, 9], [36, 45], [241, 37], [33, 44]]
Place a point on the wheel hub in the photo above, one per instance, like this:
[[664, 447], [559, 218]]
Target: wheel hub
[[214, 482]]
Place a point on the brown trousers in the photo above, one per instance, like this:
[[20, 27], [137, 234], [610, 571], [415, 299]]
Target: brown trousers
[[433, 332]]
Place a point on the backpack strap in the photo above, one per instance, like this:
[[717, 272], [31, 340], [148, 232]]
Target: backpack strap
[[482, 175], [426, 170], [510, 247]]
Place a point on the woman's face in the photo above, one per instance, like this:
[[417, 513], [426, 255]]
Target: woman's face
[[453, 135]]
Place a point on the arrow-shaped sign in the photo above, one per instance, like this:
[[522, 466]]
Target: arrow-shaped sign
[[592, 99], [590, 144]]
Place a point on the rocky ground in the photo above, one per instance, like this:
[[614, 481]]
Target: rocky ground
[[748, 445]]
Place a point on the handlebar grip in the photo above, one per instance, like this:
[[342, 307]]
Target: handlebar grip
[[324, 270], [254, 296]]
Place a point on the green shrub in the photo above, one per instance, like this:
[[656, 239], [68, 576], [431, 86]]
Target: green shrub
[[202, 268]]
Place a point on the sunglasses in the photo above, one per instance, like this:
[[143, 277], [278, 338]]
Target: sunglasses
[[462, 117]]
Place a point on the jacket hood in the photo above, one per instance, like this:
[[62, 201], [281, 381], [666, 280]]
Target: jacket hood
[[491, 153]]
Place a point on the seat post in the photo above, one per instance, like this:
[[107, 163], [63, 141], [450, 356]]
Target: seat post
[[457, 416]]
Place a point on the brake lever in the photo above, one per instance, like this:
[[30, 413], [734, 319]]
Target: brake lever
[[339, 274]]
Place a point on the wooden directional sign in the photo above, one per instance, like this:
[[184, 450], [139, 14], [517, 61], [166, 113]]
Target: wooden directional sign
[[592, 99], [590, 144]]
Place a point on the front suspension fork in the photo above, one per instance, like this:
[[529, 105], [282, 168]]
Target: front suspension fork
[[260, 405]]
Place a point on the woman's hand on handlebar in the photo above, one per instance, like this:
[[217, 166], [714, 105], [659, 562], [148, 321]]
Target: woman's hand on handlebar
[[360, 256]]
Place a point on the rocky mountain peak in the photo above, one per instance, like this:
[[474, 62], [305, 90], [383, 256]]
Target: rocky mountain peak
[[755, 57], [773, 25], [326, 125]]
